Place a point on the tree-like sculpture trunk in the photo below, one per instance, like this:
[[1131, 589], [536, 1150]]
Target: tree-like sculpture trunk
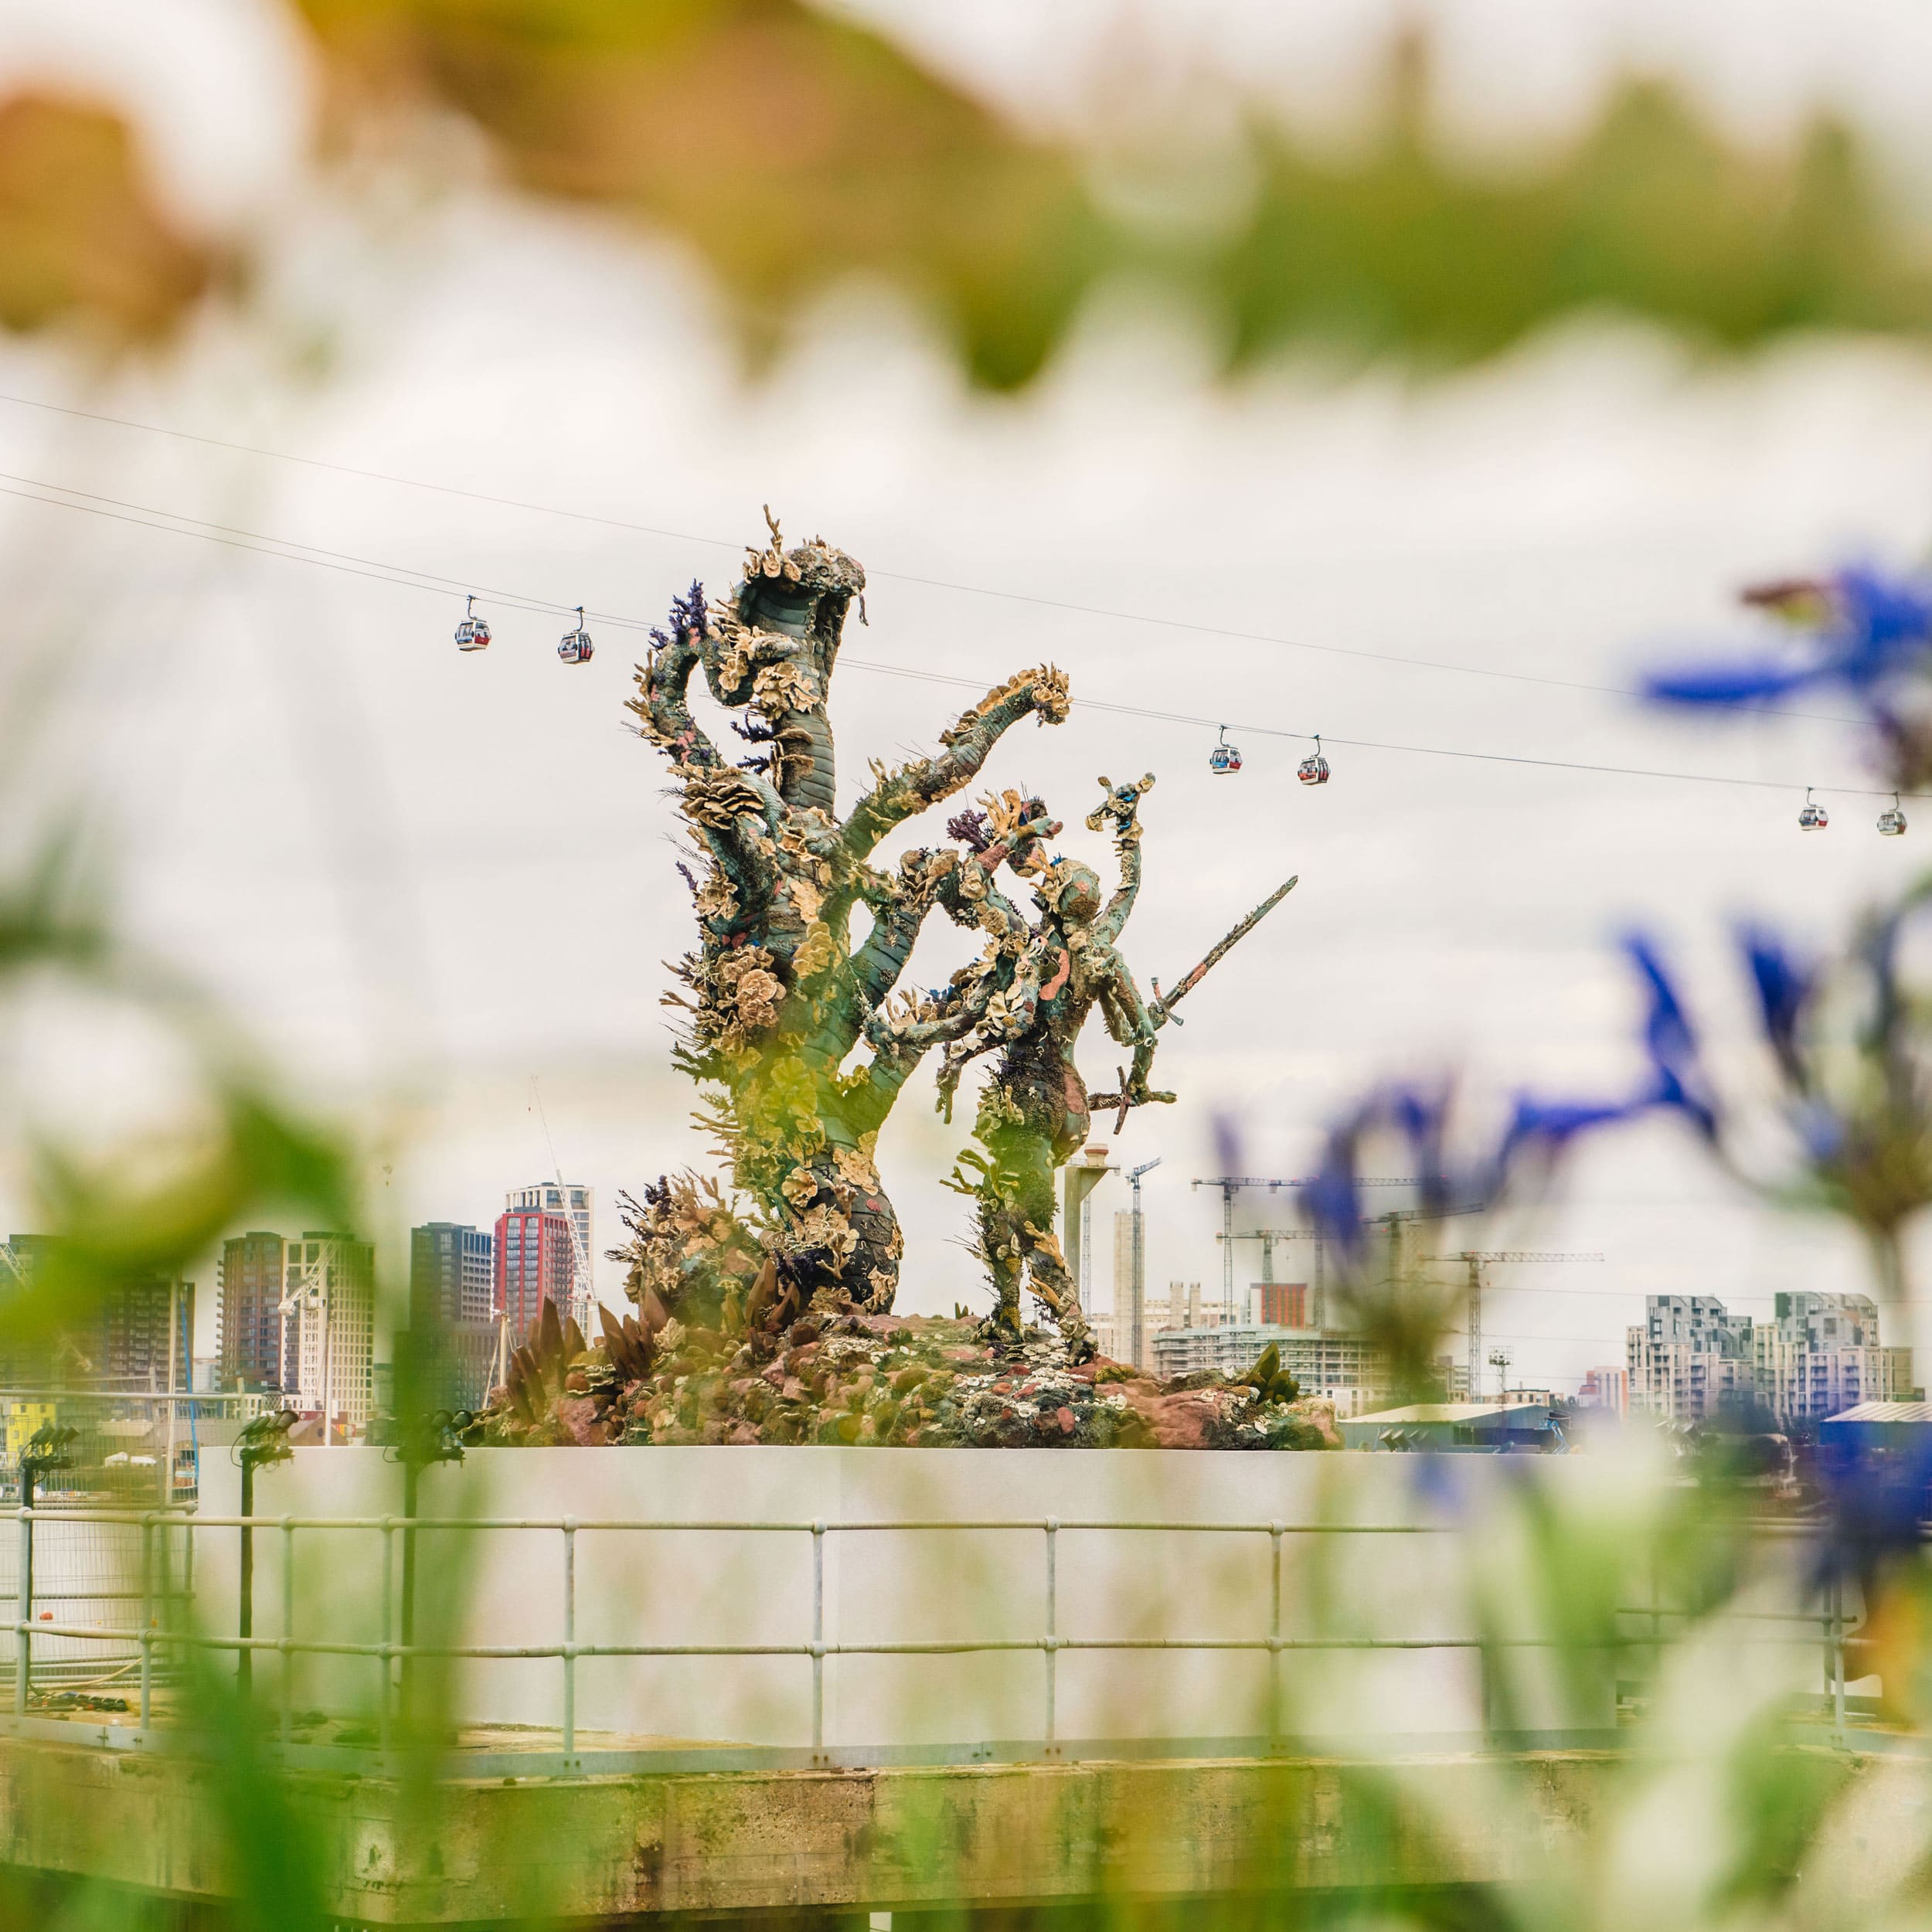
[[780, 996]]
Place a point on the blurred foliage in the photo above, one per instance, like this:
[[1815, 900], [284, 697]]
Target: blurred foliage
[[241, 1147], [82, 237], [792, 149]]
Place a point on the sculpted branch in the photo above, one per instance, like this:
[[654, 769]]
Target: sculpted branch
[[778, 995]]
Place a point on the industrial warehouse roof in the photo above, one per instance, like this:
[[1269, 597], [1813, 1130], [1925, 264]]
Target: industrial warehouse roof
[[1885, 1411], [1447, 1412]]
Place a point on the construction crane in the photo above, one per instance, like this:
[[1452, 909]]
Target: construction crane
[[1391, 1222], [310, 1291], [1476, 1263], [1267, 1237], [1137, 1280], [584, 1293], [1231, 1185]]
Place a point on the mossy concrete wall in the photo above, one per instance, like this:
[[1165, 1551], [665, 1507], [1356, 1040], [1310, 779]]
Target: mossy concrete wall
[[751, 1842]]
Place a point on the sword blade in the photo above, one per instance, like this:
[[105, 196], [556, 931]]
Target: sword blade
[[1161, 1009]]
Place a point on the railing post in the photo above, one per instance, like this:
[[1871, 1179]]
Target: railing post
[[412, 1473], [288, 1631], [569, 1639], [818, 1637], [148, 1618], [1275, 1531], [245, 1608], [23, 1604], [1051, 1645], [1837, 1659], [389, 1586]]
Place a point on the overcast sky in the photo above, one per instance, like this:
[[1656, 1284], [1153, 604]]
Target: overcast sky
[[424, 877]]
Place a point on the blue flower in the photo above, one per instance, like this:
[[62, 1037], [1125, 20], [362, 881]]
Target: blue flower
[[1784, 988], [1447, 1181], [1549, 1126], [1874, 629], [1332, 1199], [1873, 1502], [1678, 1080]]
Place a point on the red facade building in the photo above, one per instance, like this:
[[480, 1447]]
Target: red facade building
[[1282, 1305], [532, 1265]]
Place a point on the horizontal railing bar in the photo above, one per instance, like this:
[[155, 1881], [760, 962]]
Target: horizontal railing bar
[[781, 1526], [963, 1647]]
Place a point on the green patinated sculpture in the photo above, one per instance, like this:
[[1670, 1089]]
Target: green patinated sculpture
[[1038, 984], [778, 995]]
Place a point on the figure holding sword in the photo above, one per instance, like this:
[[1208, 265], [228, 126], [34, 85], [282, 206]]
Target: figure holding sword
[[1029, 999]]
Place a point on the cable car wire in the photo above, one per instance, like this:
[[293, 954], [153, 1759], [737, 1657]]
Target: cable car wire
[[1068, 605], [172, 523]]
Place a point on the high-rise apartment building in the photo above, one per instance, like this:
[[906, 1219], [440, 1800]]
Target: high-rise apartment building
[[1689, 1359], [452, 1274], [579, 1202], [533, 1264], [250, 1326], [452, 1319], [123, 1335], [1820, 1353], [330, 1279]]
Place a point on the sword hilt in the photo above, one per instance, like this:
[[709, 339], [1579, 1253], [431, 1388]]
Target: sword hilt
[[1160, 1007]]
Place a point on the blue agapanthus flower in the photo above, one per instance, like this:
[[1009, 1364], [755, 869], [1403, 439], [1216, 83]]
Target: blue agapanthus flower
[[1874, 1504], [1784, 985], [1868, 631], [1447, 1179], [1678, 1078]]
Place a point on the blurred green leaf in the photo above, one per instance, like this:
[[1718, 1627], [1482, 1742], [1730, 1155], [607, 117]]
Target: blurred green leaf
[[793, 150]]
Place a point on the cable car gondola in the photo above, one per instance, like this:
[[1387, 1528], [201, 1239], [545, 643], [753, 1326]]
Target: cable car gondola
[[1224, 757], [575, 648], [473, 633], [1891, 821], [1314, 769], [1812, 818]]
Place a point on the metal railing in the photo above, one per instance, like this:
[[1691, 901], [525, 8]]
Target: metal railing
[[162, 1633]]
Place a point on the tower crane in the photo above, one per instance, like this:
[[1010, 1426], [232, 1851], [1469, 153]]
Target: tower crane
[[310, 1291], [1136, 1316], [1267, 1237], [1231, 1185], [1477, 1262]]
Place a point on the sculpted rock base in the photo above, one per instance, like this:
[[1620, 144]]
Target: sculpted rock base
[[842, 1377]]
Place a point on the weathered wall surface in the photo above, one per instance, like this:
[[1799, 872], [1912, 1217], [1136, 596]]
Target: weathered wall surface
[[748, 1586], [749, 1842]]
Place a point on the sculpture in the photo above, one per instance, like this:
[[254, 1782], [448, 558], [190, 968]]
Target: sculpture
[[1028, 999], [778, 995]]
